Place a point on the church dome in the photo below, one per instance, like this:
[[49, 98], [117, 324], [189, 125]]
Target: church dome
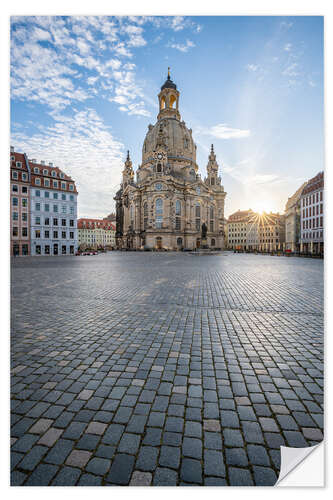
[[176, 139], [169, 133], [168, 84]]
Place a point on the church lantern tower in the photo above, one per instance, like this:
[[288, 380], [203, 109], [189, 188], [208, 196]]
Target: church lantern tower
[[168, 100]]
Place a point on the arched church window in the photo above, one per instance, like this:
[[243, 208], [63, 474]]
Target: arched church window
[[186, 142], [197, 217], [178, 213], [159, 212], [145, 215], [212, 212], [212, 181], [159, 167], [163, 102], [172, 101], [213, 242], [132, 215]]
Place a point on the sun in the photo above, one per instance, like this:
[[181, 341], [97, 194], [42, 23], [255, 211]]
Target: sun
[[261, 206]]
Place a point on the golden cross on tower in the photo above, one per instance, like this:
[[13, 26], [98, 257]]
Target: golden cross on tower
[[168, 71]]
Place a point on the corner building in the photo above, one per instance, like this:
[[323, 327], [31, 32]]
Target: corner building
[[169, 202], [53, 211], [19, 204]]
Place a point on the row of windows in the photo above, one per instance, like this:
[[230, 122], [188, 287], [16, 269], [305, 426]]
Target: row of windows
[[55, 222], [313, 198], [15, 176], [312, 235], [55, 208], [55, 184], [46, 172], [15, 216], [317, 222], [15, 189], [55, 234], [24, 231], [24, 202], [47, 249], [46, 194], [24, 249], [309, 212], [159, 209]]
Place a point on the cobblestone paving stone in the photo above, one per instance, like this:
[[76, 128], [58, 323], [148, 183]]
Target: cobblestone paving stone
[[163, 368]]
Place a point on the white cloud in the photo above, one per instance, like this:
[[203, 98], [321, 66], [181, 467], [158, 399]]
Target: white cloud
[[92, 80], [252, 67], [224, 131], [291, 70], [84, 148], [59, 60], [286, 25], [40, 35], [182, 47], [177, 23], [287, 47]]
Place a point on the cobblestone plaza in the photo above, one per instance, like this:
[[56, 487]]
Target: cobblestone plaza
[[163, 368]]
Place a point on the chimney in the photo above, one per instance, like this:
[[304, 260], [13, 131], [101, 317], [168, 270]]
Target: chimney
[[42, 162], [12, 149], [50, 164], [34, 160]]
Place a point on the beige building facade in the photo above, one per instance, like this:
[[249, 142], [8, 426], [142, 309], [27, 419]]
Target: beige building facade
[[96, 233], [169, 206], [293, 221], [240, 230], [249, 231]]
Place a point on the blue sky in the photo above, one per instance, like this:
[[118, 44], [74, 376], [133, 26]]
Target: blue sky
[[84, 90]]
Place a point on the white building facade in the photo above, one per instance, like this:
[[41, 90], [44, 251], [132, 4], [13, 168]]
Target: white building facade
[[312, 216], [53, 211]]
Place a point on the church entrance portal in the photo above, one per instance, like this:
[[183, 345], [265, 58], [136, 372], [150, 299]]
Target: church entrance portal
[[159, 243]]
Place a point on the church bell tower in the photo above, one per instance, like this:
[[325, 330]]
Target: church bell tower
[[128, 172], [168, 100], [212, 178]]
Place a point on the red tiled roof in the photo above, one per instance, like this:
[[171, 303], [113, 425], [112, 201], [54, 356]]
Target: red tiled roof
[[315, 183], [21, 157], [85, 223], [240, 215], [14, 157]]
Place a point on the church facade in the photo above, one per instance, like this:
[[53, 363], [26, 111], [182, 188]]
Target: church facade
[[168, 206]]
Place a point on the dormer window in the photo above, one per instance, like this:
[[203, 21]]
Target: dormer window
[[36, 170], [45, 172], [62, 176], [54, 173], [18, 164]]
